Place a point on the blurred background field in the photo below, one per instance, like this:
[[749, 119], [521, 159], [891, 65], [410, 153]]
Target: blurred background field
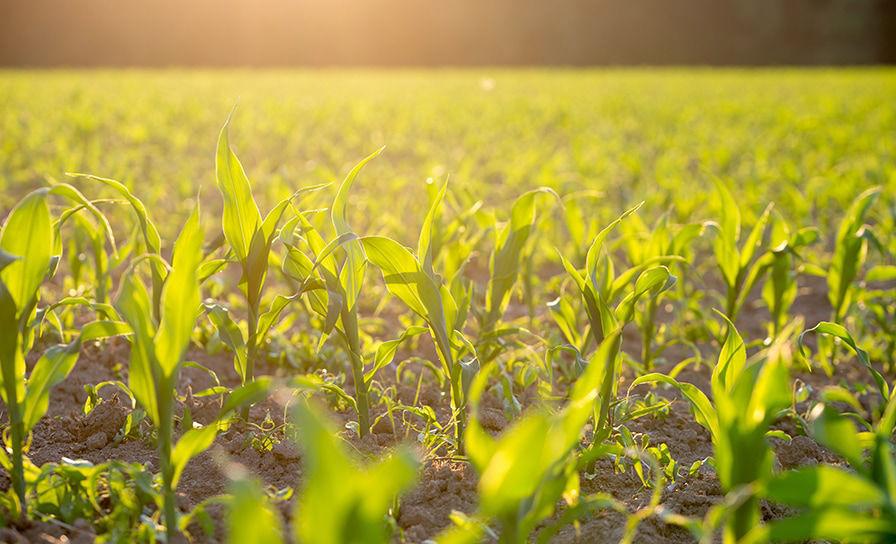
[[808, 139]]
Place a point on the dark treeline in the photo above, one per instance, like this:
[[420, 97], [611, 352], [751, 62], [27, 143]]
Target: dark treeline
[[444, 32]]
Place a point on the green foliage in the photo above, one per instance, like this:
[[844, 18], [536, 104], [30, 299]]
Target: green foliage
[[747, 397], [355, 512], [850, 252], [28, 242], [735, 258]]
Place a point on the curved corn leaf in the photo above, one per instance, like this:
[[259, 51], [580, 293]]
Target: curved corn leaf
[[839, 331], [27, 234], [180, 297], [704, 412], [352, 274]]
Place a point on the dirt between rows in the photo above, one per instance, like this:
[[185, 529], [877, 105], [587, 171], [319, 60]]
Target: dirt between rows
[[445, 485]]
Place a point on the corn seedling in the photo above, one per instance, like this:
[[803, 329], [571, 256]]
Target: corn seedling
[[850, 252], [748, 396], [854, 505], [29, 246], [250, 239], [648, 247], [780, 288], [413, 281], [504, 266], [355, 512], [599, 288], [735, 261], [336, 298], [532, 466], [157, 351]]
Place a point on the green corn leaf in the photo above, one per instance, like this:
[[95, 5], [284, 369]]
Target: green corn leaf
[[725, 243], [251, 519], [881, 273], [73, 194], [53, 367], [405, 278], [519, 450], [770, 393], [352, 275], [704, 412], [191, 443], [597, 245], [832, 524], [134, 304], [385, 352], [849, 252], [250, 393], [651, 282], [28, 234], [230, 334], [180, 297], [504, 264], [241, 218], [97, 330], [269, 318], [328, 514], [732, 359], [12, 364], [839, 331], [838, 433], [150, 233], [754, 240], [425, 249]]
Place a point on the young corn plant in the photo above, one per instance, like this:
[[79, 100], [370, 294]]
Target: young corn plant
[[157, 350], [748, 396], [504, 267], [850, 252], [834, 503], [249, 238], [780, 288], [29, 253], [146, 240], [735, 261], [661, 244], [531, 466], [335, 297], [412, 280], [341, 501], [600, 289]]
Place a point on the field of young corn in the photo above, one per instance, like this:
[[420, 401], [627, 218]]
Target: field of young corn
[[448, 306]]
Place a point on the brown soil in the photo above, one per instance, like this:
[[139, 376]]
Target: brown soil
[[445, 485]]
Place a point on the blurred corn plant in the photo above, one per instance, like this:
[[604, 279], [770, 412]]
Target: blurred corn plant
[[781, 263], [850, 253], [854, 504], [355, 510], [747, 397], [532, 465], [30, 247], [648, 246]]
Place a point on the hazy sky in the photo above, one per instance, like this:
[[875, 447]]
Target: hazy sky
[[446, 32]]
